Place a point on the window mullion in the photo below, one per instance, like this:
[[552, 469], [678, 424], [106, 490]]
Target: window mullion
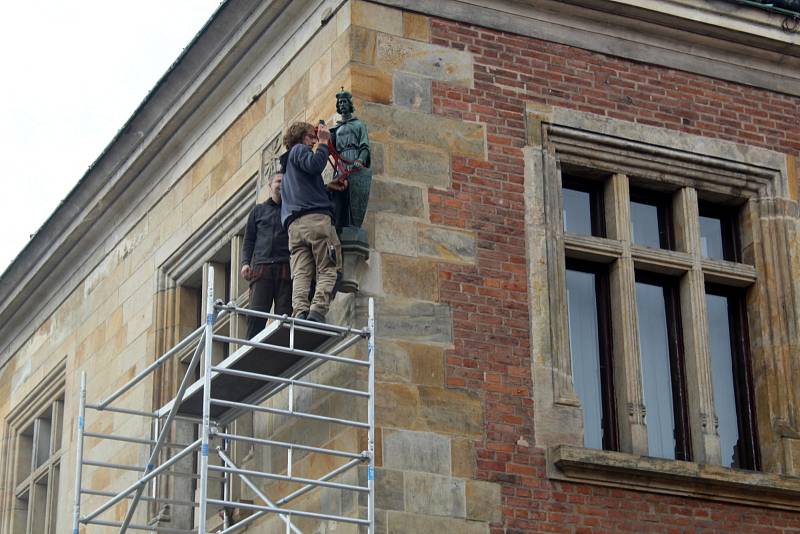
[[625, 329], [699, 391]]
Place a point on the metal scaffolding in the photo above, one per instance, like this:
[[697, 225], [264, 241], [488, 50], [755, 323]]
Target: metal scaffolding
[[279, 358]]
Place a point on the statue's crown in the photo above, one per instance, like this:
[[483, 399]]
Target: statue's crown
[[344, 94]]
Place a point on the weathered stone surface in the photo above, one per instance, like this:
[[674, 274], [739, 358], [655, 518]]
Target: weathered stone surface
[[390, 124], [393, 197], [416, 451], [483, 501], [411, 278], [407, 523], [412, 91], [397, 405], [371, 84], [389, 488], [296, 99], [396, 234], [447, 244], [377, 17], [418, 164], [451, 411], [319, 74], [416, 26], [363, 43], [415, 363], [432, 61], [263, 131], [434, 495], [410, 319], [462, 452], [376, 153]]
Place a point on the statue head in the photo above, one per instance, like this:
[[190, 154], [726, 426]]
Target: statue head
[[344, 103]]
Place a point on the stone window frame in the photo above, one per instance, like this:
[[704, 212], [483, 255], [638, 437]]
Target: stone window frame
[[180, 305], [722, 171], [46, 399]]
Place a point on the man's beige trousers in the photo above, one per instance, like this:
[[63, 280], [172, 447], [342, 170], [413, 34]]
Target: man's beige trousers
[[315, 251]]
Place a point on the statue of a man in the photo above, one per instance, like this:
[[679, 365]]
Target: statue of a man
[[349, 137]]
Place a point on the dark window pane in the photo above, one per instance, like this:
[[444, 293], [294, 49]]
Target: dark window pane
[[711, 245], [645, 225], [656, 374], [584, 339], [577, 211], [719, 338]]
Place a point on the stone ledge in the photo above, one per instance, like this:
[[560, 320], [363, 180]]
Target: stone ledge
[[688, 479]]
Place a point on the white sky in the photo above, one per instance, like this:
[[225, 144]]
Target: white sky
[[72, 72]]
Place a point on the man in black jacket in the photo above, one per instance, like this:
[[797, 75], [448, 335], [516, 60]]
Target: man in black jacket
[[265, 259]]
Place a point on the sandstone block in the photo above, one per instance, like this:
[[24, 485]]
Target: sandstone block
[[363, 43], [396, 234], [393, 363], [390, 124], [393, 197], [435, 495], [416, 26], [412, 278], [418, 164], [462, 452], [377, 17], [295, 100], [406, 523], [446, 244], [371, 84], [451, 411], [319, 75], [410, 319], [483, 501], [397, 405], [428, 60], [389, 484], [377, 155], [263, 132], [412, 92], [416, 451]]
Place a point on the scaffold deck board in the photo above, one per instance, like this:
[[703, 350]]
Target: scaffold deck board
[[254, 360]]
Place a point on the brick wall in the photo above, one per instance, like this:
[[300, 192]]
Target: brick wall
[[489, 301]]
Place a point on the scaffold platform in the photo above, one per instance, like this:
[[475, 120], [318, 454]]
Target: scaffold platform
[[279, 358]]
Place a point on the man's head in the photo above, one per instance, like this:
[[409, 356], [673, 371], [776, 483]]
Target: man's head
[[344, 103], [299, 132], [275, 187]]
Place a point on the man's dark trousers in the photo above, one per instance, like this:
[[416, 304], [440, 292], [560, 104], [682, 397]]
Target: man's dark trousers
[[270, 283]]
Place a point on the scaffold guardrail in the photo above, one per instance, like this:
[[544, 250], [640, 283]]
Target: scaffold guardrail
[[302, 345]]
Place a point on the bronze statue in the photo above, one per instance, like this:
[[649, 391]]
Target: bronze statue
[[349, 138]]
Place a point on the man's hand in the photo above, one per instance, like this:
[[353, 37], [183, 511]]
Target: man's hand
[[246, 271], [323, 134], [340, 184]]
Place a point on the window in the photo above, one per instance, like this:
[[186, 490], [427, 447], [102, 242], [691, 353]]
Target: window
[[33, 466], [641, 311]]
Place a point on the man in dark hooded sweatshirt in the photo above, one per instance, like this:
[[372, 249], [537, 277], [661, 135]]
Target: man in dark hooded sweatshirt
[[307, 214]]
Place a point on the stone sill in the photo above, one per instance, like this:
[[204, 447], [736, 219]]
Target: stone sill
[[688, 479]]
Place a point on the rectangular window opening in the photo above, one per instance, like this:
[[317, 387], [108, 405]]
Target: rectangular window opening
[[719, 236], [731, 377], [651, 219], [588, 311], [663, 377], [583, 210]]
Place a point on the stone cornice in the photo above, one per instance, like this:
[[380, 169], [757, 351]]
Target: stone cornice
[[707, 37], [236, 55]]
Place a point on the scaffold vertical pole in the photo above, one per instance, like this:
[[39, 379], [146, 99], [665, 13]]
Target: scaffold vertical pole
[[371, 417], [204, 444], [76, 513]]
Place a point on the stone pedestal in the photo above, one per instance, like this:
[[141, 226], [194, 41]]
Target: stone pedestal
[[355, 251]]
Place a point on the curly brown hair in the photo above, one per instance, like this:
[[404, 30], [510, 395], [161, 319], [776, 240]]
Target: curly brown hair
[[295, 133]]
